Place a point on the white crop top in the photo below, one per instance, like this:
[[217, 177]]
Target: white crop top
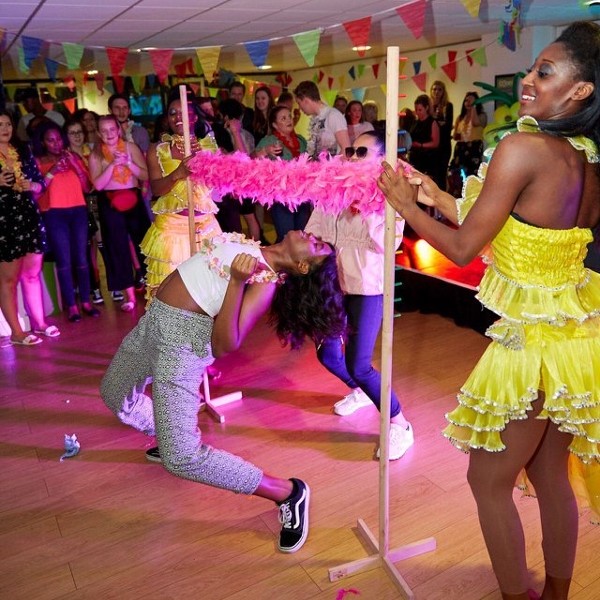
[[206, 274]]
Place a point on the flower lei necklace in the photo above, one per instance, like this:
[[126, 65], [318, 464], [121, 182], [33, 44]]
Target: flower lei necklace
[[11, 160], [261, 275], [178, 141]]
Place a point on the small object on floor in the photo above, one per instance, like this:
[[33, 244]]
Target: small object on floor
[[97, 297], [74, 318], [50, 331], [351, 403], [72, 447], [117, 296], [345, 592], [153, 455], [293, 516], [30, 340], [127, 306], [91, 312], [401, 439]]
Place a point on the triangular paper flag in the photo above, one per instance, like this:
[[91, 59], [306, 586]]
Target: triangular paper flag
[[417, 67], [479, 56], [402, 66], [51, 68], [432, 60], [151, 80], [383, 87], [161, 61], [375, 68], [209, 60], [469, 57], [315, 78], [358, 93], [99, 78], [421, 81], [180, 70], [189, 67], [452, 55], [116, 59], [450, 70], [472, 7], [31, 48], [413, 15], [119, 83], [329, 82], [308, 44], [352, 73], [70, 104], [342, 80], [212, 92], [320, 76], [138, 82], [329, 96], [361, 70], [73, 54], [51, 88], [359, 31], [22, 64], [257, 51]]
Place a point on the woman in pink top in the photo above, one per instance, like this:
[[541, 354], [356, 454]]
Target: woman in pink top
[[64, 211]]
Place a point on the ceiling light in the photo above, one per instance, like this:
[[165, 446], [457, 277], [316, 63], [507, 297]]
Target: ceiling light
[[92, 72], [265, 67], [361, 48]]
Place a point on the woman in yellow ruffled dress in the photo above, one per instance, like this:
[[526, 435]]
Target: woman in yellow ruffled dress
[[167, 242], [532, 403]]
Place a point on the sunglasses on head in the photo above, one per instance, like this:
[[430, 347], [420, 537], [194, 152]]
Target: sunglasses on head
[[360, 152]]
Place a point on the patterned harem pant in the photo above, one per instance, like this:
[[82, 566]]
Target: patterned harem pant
[[170, 348]]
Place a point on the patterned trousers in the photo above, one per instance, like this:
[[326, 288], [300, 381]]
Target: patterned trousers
[[170, 348]]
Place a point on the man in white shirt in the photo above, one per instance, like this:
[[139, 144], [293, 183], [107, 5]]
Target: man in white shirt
[[328, 130], [34, 108]]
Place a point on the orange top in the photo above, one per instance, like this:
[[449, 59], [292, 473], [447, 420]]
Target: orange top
[[63, 191]]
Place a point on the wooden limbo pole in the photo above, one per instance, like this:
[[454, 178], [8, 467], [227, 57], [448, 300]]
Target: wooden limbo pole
[[382, 556], [210, 404]]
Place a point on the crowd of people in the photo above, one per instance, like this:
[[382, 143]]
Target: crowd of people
[[95, 185]]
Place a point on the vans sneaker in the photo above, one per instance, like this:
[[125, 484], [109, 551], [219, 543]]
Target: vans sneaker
[[401, 439], [293, 516], [351, 403], [97, 297], [117, 296]]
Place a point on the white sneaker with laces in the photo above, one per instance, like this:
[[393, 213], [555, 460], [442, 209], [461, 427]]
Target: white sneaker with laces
[[351, 403], [401, 439]]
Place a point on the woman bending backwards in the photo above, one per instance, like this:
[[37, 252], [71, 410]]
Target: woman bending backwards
[[203, 310], [534, 397]]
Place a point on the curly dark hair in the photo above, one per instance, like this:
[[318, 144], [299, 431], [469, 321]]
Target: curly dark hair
[[582, 43], [309, 305]]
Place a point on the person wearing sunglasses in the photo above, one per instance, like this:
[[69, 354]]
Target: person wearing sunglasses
[[359, 243]]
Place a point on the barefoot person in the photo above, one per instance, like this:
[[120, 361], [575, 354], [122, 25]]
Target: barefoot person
[[533, 399], [203, 310]]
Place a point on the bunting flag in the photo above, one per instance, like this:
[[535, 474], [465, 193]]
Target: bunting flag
[[189, 66], [361, 70], [469, 57], [195, 88], [51, 68], [117, 57], [450, 70], [151, 80], [320, 76], [432, 59], [329, 82], [417, 67], [213, 92], [359, 93], [402, 66], [70, 104], [209, 60], [99, 79], [413, 15], [359, 31], [161, 61], [22, 64], [375, 68], [69, 81], [31, 49], [138, 82], [479, 56], [308, 45], [180, 70], [352, 73], [73, 54], [329, 96], [510, 30], [257, 51], [342, 80], [420, 80], [452, 55], [119, 83], [472, 7], [383, 87]]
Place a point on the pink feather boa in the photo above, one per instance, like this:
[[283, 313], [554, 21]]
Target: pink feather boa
[[331, 184]]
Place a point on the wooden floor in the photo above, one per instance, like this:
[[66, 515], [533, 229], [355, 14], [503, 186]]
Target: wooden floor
[[107, 524]]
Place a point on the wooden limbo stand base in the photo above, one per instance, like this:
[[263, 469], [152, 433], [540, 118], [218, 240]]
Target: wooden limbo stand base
[[211, 405], [382, 556]]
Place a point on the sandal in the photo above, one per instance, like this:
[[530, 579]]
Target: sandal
[[127, 306], [30, 340], [50, 331]]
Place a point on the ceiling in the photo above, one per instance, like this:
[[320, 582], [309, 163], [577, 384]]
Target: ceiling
[[186, 24]]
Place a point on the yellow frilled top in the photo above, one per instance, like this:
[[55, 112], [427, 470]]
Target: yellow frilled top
[[176, 200]]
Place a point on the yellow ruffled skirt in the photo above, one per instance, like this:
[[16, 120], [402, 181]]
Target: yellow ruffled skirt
[[563, 361], [167, 244]]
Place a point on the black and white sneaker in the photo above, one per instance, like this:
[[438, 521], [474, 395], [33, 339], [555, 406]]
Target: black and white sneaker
[[153, 455], [117, 296], [97, 297], [293, 516]]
